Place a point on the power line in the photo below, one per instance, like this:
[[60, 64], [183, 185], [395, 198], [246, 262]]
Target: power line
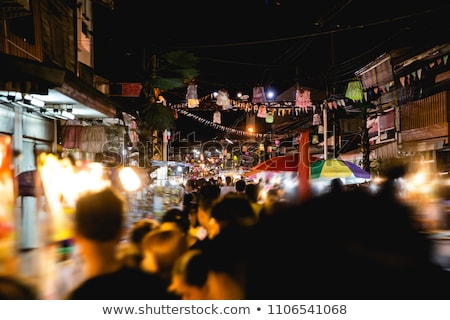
[[316, 34]]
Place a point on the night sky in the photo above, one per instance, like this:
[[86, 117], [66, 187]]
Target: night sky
[[242, 44], [275, 44]]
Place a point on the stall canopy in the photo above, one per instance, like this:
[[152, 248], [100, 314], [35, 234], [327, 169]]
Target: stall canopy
[[284, 163], [347, 171], [321, 170]]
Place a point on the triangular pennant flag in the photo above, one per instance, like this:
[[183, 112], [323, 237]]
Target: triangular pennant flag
[[419, 74]]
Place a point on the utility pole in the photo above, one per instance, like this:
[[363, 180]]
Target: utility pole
[[304, 166], [325, 132]]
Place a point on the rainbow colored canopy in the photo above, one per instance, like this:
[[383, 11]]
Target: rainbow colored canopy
[[336, 168]]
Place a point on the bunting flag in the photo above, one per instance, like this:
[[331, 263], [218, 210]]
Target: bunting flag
[[229, 130]]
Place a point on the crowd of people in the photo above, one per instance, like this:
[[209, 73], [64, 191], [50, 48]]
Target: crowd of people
[[220, 245]]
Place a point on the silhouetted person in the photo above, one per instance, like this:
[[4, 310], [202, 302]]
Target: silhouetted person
[[98, 228], [252, 191], [189, 276], [228, 186], [190, 194], [131, 251], [229, 250], [240, 186], [344, 245], [208, 197], [336, 185]]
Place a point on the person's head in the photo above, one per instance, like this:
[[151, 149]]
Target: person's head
[[190, 185], [140, 229], [131, 255], [252, 191], [98, 229], [230, 212], [240, 185], [272, 196], [336, 185], [162, 247], [180, 218], [189, 276], [208, 195], [175, 218], [99, 216], [201, 182]]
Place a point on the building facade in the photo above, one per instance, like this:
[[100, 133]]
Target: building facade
[[409, 90], [48, 86]]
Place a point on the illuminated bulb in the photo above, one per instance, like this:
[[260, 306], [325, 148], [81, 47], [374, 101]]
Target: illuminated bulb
[[129, 179]]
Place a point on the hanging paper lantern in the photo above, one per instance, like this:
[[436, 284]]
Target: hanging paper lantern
[[259, 95], [217, 117], [223, 100], [355, 90], [303, 98], [192, 96], [269, 117], [262, 112], [315, 139]]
